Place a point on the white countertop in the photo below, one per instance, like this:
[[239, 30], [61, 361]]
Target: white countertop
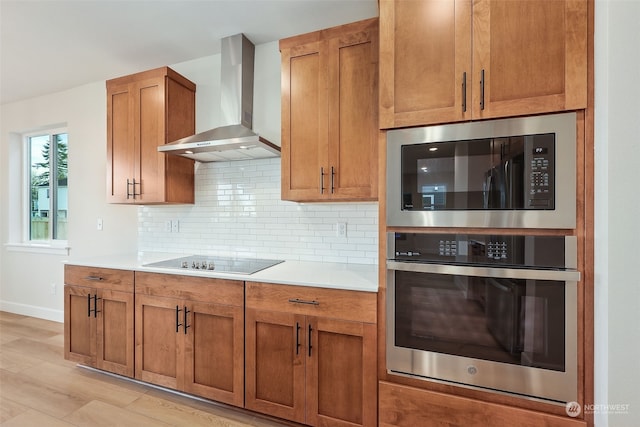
[[356, 277]]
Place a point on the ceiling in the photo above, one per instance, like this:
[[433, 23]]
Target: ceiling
[[48, 46]]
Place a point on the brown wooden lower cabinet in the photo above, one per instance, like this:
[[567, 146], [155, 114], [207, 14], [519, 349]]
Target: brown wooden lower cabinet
[[304, 362], [189, 335], [405, 406], [98, 318], [310, 352]]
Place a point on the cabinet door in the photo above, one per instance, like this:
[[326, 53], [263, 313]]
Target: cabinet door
[[341, 373], [534, 56], [305, 170], [115, 352], [159, 330], [120, 143], [425, 62], [80, 325], [149, 131], [275, 357], [214, 352], [353, 118]]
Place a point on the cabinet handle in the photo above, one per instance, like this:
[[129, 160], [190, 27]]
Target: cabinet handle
[[333, 174], [321, 180], [297, 338], [482, 89], [309, 342], [301, 301], [185, 326], [464, 92], [94, 278], [95, 305], [178, 324], [132, 193]]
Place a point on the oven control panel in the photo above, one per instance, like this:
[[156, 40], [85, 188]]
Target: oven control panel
[[505, 250], [497, 250], [448, 247]]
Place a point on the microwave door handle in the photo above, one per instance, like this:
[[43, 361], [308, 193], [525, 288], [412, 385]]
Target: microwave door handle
[[482, 271], [508, 184], [502, 188], [487, 189]]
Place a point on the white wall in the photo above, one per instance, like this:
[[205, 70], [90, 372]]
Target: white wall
[[26, 277], [617, 154]]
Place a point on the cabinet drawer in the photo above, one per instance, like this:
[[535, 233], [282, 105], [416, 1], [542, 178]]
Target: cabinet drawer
[[405, 406], [312, 301], [99, 278], [219, 291]]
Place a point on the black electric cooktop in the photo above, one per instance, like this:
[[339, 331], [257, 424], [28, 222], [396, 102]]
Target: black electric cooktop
[[216, 264]]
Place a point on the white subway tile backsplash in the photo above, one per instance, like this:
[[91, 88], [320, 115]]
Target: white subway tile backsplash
[[238, 211]]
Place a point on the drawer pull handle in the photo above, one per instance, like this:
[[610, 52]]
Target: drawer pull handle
[[301, 301], [94, 278]]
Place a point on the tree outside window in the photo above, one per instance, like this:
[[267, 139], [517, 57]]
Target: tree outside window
[[48, 186]]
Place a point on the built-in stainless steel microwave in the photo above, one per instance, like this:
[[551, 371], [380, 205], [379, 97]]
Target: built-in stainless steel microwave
[[508, 173]]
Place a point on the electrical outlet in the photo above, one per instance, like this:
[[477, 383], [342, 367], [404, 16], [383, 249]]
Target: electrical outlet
[[52, 289], [167, 226], [341, 229], [175, 225]]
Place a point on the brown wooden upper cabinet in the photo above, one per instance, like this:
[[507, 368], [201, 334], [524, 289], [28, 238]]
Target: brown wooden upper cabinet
[[455, 60], [329, 114], [145, 110]]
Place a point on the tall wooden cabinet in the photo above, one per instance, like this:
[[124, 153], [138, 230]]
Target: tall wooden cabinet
[[311, 354], [98, 318], [329, 114], [145, 110], [189, 335], [448, 61]]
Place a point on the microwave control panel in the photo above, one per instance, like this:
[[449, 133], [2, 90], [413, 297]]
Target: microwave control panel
[[540, 171]]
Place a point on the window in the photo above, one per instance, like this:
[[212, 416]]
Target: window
[[47, 166]]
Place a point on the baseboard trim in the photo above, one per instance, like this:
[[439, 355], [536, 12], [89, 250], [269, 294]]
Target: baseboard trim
[[33, 311]]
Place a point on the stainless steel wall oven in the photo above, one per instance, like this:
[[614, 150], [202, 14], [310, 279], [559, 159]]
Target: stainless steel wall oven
[[498, 312], [509, 173]]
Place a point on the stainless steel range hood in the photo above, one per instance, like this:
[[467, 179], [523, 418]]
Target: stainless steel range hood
[[236, 140]]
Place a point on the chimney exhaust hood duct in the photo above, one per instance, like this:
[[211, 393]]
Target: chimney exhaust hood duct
[[236, 140]]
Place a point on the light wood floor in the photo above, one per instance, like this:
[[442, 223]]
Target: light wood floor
[[39, 388]]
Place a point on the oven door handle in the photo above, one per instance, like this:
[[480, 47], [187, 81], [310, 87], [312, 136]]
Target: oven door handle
[[480, 271]]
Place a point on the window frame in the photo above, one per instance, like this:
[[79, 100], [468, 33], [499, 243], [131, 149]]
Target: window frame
[[50, 241]]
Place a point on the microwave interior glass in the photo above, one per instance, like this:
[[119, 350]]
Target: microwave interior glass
[[506, 173]]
